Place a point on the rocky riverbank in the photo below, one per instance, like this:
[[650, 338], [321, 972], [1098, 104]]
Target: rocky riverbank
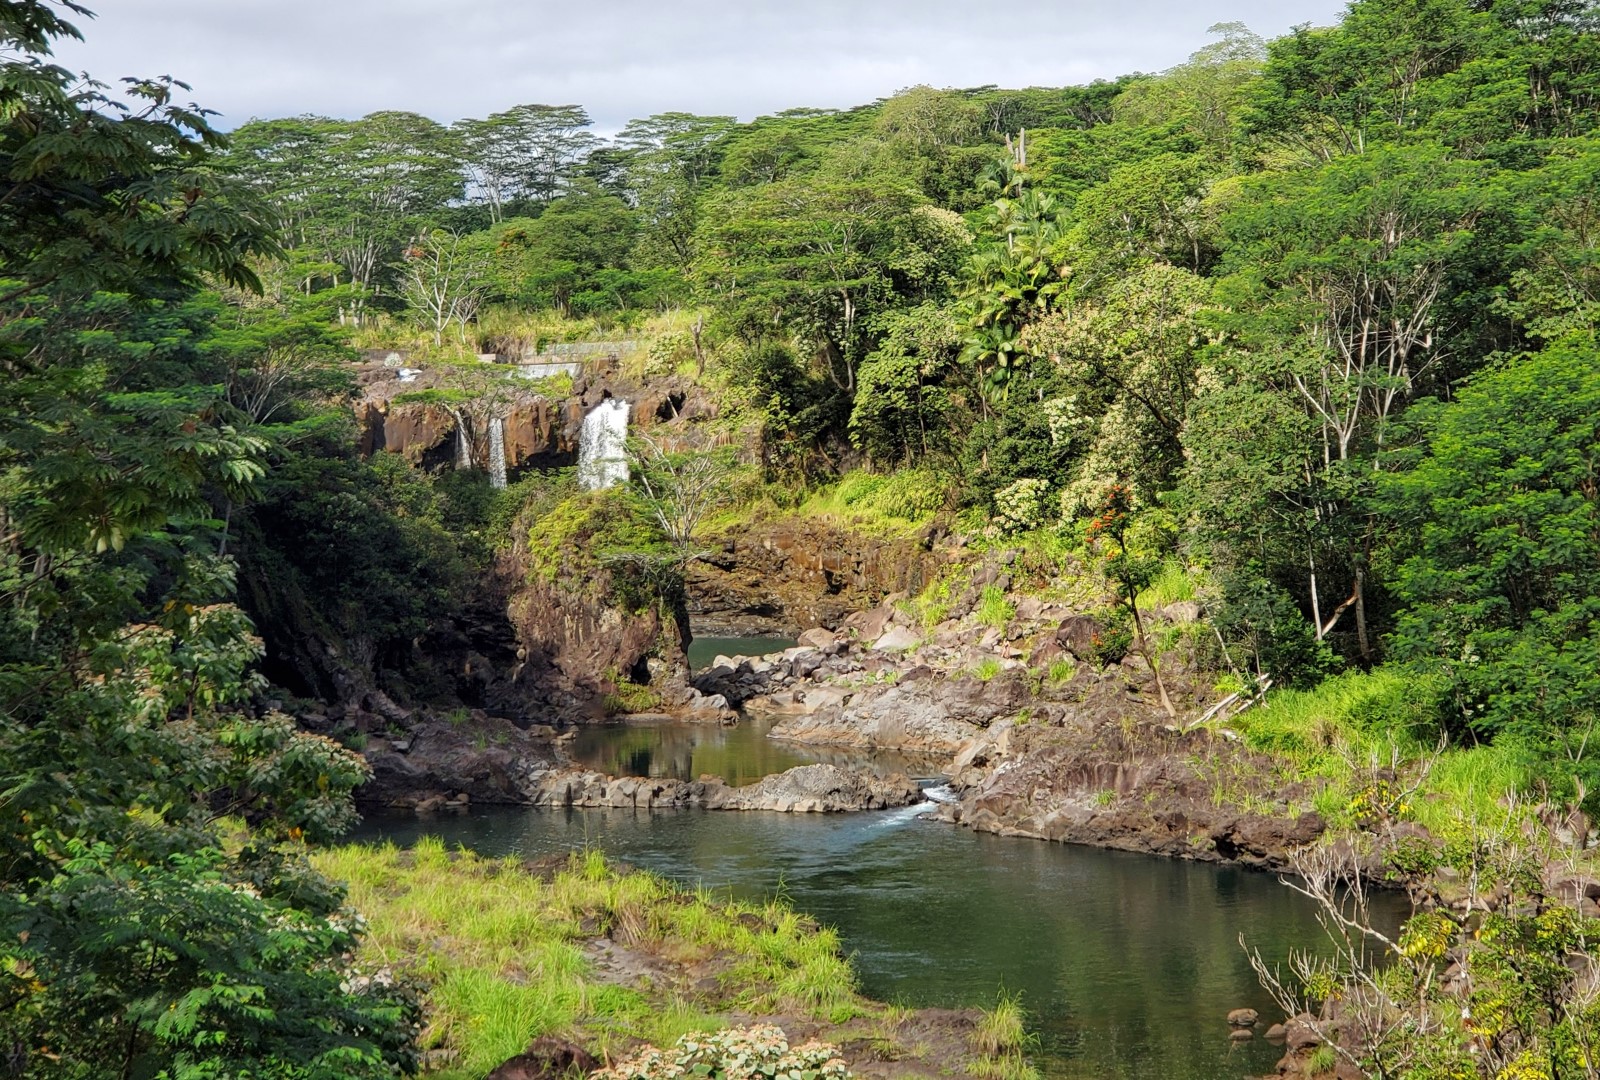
[[440, 765], [1041, 737]]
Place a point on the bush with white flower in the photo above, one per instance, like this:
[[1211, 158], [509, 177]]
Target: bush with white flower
[[1019, 506], [761, 1052]]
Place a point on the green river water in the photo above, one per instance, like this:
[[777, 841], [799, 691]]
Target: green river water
[[1126, 964]]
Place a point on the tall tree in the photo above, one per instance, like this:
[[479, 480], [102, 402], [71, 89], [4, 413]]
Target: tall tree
[[528, 154]]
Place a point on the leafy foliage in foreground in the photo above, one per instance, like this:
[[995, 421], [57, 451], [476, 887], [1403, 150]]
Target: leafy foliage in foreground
[[138, 937]]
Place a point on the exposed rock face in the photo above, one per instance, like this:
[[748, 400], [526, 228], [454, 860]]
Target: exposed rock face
[[1149, 789], [925, 715], [486, 759], [578, 638], [539, 431], [1090, 760], [804, 789], [789, 575]]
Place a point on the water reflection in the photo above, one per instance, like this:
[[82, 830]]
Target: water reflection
[[741, 754], [1128, 964], [703, 650]]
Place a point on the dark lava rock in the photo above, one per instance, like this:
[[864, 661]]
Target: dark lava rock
[[549, 1058]]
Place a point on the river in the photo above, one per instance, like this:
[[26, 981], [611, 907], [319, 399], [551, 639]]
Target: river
[[1127, 964]]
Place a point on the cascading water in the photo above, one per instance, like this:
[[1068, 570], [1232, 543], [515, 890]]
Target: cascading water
[[497, 453], [602, 446], [463, 443]]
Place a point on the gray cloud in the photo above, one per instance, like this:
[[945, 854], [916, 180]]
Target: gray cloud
[[629, 58]]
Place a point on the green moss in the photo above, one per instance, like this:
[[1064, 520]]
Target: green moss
[[586, 530], [629, 697]]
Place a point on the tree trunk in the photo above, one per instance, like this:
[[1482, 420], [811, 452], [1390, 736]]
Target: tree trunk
[[1149, 657]]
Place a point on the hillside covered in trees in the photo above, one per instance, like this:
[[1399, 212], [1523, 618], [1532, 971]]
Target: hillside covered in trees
[[1303, 332], [1278, 292]]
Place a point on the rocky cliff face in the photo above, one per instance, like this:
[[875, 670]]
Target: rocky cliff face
[[791, 574], [582, 644], [540, 431]]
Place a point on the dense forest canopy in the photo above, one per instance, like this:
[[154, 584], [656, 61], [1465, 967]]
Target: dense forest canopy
[[1317, 315]]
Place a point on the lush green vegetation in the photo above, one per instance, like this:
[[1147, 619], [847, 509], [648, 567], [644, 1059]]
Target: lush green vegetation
[[1285, 295], [501, 951], [1302, 332]]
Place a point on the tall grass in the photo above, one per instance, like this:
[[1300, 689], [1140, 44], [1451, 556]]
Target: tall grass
[[887, 503], [1343, 731], [1001, 1040], [501, 952], [994, 609]]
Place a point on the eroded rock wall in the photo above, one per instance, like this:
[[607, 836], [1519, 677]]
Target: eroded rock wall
[[791, 574]]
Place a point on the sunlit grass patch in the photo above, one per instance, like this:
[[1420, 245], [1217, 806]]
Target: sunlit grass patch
[[501, 951]]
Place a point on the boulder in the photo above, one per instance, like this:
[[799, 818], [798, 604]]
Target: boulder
[[1300, 1034], [818, 638], [869, 625], [1076, 634], [824, 789], [549, 1058], [1243, 1018], [897, 639]]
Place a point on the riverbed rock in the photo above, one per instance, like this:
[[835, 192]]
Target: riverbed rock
[[484, 759], [826, 789], [1243, 1018], [818, 638], [804, 789], [1301, 1034], [928, 716], [1112, 776]]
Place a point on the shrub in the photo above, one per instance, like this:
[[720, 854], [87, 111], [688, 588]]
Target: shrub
[[1019, 506], [760, 1052]]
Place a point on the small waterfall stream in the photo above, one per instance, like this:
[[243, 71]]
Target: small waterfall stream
[[497, 453], [463, 443], [602, 446]]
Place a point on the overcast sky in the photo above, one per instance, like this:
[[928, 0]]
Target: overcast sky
[[631, 58]]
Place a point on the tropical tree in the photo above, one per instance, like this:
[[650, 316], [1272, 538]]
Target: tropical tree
[[526, 156], [1501, 570], [133, 941], [443, 277]]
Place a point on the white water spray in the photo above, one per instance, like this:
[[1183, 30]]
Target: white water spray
[[602, 446], [463, 443], [497, 453]]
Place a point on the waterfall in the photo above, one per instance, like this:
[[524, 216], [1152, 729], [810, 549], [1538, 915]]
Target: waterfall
[[497, 453], [602, 449], [463, 443]]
